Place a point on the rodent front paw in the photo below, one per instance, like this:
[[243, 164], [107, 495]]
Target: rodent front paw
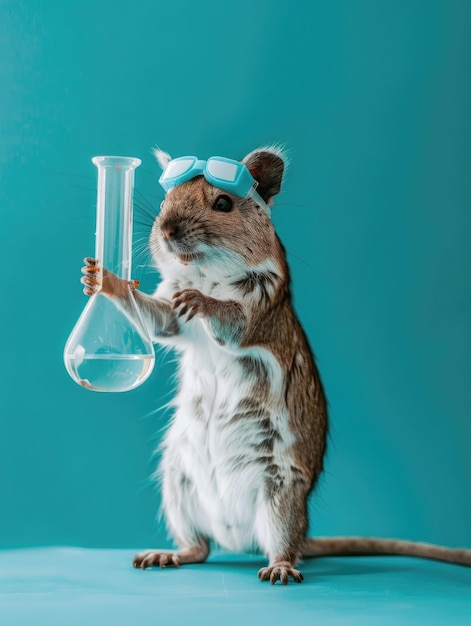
[[91, 277], [95, 279], [190, 301]]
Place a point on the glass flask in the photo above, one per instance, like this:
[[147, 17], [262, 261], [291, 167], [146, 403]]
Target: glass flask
[[109, 349]]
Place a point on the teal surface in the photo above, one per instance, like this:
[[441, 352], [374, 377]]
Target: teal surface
[[372, 100], [94, 587]]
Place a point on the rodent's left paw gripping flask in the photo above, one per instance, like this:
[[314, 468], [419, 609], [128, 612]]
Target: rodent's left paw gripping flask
[[110, 348]]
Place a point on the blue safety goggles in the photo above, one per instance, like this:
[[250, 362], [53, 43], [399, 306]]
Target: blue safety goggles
[[226, 174]]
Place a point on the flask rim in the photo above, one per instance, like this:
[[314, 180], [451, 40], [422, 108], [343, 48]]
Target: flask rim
[[116, 161]]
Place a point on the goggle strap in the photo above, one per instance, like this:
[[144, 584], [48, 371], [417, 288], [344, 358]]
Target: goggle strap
[[256, 197]]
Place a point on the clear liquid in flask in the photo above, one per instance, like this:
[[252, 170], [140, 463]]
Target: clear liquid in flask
[[110, 372], [109, 349]]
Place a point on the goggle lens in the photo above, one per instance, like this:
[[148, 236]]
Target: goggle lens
[[177, 167], [222, 170]]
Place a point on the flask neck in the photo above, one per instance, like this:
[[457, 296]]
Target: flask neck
[[113, 244]]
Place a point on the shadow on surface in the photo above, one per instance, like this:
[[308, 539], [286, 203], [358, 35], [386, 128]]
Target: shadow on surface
[[347, 566]]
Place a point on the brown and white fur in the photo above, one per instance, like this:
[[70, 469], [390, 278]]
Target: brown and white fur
[[247, 440]]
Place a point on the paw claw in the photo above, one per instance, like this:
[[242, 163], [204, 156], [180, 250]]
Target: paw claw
[[159, 558], [190, 300], [264, 573], [176, 560], [91, 271], [281, 571], [192, 313], [297, 576], [163, 560], [148, 561]]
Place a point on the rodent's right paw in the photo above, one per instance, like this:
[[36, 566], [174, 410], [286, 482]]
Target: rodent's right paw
[[91, 278]]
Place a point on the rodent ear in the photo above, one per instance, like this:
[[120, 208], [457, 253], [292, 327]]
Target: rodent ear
[[267, 166], [163, 158]]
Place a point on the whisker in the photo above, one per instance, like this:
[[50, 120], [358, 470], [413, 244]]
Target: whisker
[[90, 189], [144, 214], [291, 228], [140, 249], [142, 254], [142, 257], [141, 243], [303, 261], [143, 221], [279, 205], [142, 225], [69, 203], [145, 202], [74, 174]]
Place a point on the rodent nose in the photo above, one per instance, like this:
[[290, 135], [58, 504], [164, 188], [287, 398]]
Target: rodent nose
[[170, 230]]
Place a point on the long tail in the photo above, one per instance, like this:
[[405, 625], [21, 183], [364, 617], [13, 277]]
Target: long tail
[[368, 546]]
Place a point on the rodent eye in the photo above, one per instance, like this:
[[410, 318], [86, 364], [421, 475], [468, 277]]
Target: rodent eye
[[223, 203]]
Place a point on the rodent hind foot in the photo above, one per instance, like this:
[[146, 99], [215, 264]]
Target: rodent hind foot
[[280, 570], [175, 558], [161, 558]]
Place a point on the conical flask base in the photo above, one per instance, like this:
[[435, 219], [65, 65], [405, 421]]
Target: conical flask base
[[109, 348]]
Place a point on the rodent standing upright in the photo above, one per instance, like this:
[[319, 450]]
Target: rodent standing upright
[[247, 441]]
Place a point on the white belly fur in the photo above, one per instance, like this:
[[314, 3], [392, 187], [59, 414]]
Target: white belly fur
[[227, 499]]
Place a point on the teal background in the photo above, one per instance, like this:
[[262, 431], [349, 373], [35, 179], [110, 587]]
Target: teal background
[[372, 100]]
